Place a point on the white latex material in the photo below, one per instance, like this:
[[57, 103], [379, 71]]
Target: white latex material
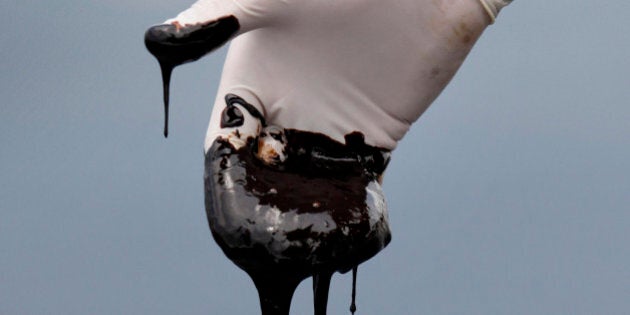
[[493, 7], [339, 66]]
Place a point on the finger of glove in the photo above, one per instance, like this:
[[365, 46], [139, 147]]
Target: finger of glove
[[251, 14]]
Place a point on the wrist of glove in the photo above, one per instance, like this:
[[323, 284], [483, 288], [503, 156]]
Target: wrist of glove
[[493, 7]]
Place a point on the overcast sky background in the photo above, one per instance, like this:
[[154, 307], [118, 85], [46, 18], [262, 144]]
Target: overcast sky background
[[511, 195]]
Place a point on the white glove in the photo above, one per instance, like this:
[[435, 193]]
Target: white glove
[[337, 67]]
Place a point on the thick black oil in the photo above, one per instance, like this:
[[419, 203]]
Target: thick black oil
[[174, 45], [167, 70], [309, 217]]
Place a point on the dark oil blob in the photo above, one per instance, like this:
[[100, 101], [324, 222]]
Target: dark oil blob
[[310, 217], [174, 45]]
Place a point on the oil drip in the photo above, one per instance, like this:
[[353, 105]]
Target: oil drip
[[321, 286], [167, 70], [353, 305], [174, 45], [312, 216]]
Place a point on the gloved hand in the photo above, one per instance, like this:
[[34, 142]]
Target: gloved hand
[[335, 67], [302, 72]]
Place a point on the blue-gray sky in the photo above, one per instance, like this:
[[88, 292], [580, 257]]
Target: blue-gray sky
[[511, 195]]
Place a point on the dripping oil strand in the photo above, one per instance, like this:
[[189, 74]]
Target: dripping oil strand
[[353, 305], [174, 45], [167, 70]]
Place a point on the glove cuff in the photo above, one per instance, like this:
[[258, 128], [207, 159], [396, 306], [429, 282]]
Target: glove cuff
[[493, 7]]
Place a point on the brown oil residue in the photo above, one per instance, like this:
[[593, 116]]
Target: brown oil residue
[[310, 217]]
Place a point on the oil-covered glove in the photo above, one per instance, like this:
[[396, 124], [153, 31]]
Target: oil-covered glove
[[330, 67]]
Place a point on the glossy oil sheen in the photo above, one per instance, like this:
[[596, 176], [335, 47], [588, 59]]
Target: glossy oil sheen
[[320, 212]]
